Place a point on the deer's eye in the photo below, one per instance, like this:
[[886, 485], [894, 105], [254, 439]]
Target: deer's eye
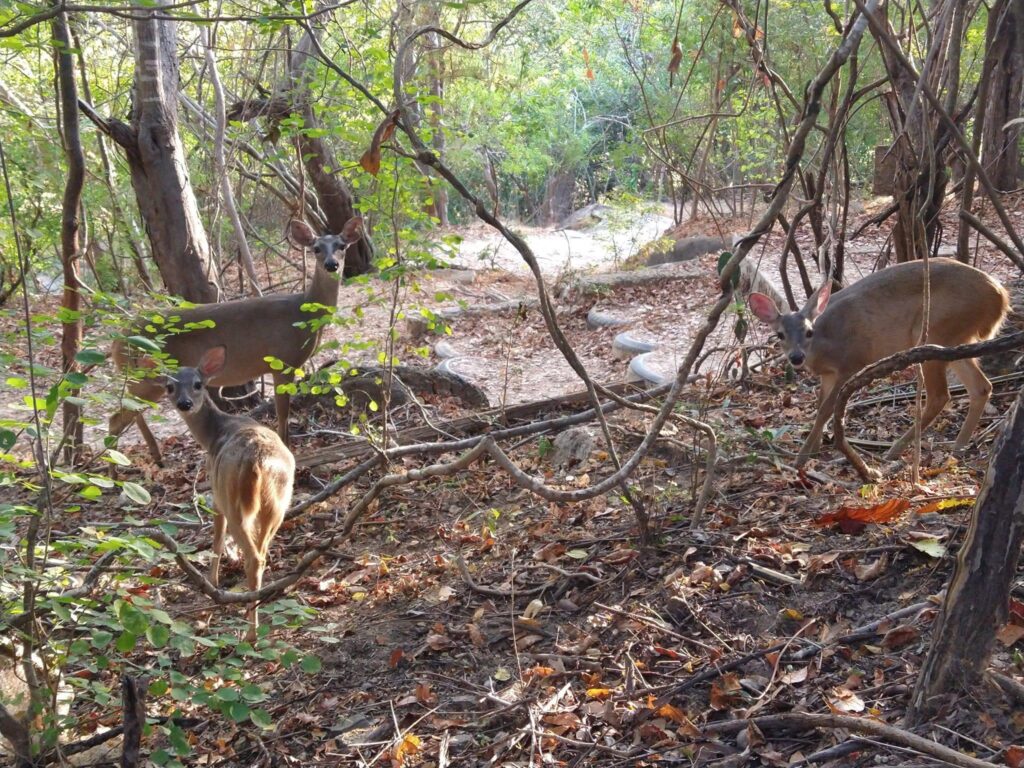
[[809, 333], [781, 335], [197, 386], [169, 388]]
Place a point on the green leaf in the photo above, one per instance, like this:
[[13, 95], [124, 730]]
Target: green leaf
[[311, 665], [101, 638], [136, 492], [261, 718], [126, 642], [144, 343], [237, 711], [228, 694], [158, 635], [722, 261], [90, 357], [132, 619], [116, 457]]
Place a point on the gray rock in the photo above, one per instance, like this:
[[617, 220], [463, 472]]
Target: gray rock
[[572, 447], [688, 249]]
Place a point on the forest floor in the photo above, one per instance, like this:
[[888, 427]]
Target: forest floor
[[468, 623]]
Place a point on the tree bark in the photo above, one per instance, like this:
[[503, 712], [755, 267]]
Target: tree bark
[[220, 162], [1001, 147], [335, 197], [921, 175], [70, 251], [156, 159], [159, 171], [976, 601]]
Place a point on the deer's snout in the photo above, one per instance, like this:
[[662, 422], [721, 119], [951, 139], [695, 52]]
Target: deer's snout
[[185, 404], [331, 264], [797, 358]]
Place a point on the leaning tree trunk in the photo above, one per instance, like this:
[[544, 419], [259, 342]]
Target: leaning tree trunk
[[1001, 146], [70, 252], [975, 605], [293, 97]]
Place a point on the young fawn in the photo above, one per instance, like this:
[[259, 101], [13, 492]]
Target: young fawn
[[255, 332], [882, 314], [249, 467]]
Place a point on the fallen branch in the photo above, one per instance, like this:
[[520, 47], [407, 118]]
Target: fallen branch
[[863, 725]]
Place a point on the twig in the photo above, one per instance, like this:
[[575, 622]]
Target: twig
[[887, 733]]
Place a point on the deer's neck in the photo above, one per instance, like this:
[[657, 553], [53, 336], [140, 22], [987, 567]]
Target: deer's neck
[[323, 289], [209, 426]]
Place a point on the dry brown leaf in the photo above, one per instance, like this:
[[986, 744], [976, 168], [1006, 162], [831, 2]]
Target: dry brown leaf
[[795, 676], [598, 693], [844, 702], [1009, 634], [853, 520], [899, 636], [872, 571], [1014, 756], [395, 658]]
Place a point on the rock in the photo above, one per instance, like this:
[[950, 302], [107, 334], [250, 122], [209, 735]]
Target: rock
[[687, 249], [572, 447], [585, 217]]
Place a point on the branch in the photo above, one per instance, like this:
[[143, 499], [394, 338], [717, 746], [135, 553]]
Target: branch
[[887, 733]]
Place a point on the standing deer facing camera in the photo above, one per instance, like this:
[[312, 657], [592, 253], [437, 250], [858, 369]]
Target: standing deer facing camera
[[250, 470], [882, 314], [254, 332]]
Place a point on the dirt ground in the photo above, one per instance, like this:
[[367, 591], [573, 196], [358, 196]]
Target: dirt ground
[[467, 622]]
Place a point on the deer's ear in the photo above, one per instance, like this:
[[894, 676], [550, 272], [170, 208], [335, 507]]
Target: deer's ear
[[300, 233], [166, 382], [819, 300], [353, 229], [212, 362], [764, 308]]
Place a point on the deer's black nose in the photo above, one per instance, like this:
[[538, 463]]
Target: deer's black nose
[[797, 359], [184, 404], [331, 264]]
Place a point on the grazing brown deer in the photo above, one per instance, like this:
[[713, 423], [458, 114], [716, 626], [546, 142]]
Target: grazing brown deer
[[250, 470], [254, 332], [882, 314]]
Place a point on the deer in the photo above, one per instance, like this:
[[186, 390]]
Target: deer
[[250, 469], [882, 314], [255, 332]]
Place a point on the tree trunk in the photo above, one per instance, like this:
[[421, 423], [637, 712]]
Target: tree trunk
[[335, 197], [156, 159], [159, 171], [1001, 147], [975, 605], [70, 252], [921, 176]]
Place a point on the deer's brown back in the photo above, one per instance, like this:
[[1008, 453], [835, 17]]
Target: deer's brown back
[[883, 314]]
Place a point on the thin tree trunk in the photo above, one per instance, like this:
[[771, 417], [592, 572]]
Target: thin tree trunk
[[976, 602], [220, 162], [1000, 145], [70, 253], [121, 217]]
